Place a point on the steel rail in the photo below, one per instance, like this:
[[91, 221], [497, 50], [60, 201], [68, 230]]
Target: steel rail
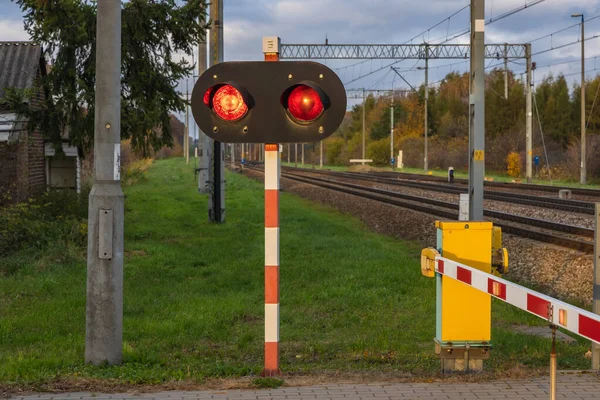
[[417, 204], [578, 206]]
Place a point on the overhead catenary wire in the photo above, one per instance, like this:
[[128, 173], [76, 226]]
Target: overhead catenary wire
[[563, 29], [565, 45], [490, 21], [413, 38]]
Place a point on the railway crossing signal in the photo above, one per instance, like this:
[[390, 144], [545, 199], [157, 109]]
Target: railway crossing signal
[[269, 102]]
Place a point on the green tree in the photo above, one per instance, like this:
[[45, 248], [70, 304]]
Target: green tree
[[381, 127], [153, 33]]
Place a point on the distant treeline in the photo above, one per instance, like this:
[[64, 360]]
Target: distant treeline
[[559, 116]]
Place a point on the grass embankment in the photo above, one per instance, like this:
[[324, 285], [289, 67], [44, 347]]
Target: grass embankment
[[352, 301], [457, 174]]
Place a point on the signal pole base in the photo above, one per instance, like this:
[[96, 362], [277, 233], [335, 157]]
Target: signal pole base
[[461, 358], [104, 308]]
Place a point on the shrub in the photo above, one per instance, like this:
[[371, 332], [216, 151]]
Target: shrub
[[56, 216], [135, 171], [379, 152], [513, 164], [333, 151]]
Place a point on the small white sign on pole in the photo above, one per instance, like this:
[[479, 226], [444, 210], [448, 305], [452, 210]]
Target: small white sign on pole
[[463, 210]]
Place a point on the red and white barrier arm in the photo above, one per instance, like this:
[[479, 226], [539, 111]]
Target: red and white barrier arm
[[559, 313]]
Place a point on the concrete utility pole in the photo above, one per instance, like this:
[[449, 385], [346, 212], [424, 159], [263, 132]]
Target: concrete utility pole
[[426, 123], [477, 111], [596, 295], [296, 155], [529, 117], [104, 302], [302, 154], [392, 133], [363, 126], [216, 201], [506, 71], [583, 177], [289, 153], [206, 143]]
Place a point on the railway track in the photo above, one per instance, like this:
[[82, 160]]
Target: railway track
[[507, 185], [570, 236], [582, 207]]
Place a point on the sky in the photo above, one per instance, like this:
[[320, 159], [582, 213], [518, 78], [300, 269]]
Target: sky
[[394, 21]]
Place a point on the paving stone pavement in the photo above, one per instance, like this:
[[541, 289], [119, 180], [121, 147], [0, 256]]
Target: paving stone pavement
[[570, 386]]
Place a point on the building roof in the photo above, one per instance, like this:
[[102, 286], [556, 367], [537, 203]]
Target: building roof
[[19, 64]]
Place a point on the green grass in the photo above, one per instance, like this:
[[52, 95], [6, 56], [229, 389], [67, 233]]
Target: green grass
[[351, 300], [458, 174]]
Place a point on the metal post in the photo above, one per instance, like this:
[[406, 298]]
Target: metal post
[[289, 152], [506, 71], [392, 133], [321, 155], [206, 142], [363, 126], [186, 135], [216, 201], [302, 154], [272, 172], [477, 111], [272, 179], [232, 156], [426, 124], [529, 117], [583, 179], [296, 155], [596, 295], [104, 306], [553, 365]]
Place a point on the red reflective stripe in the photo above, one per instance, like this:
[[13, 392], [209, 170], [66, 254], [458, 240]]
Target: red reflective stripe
[[589, 328], [271, 284], [271, 208], [537, 306], [463, 275], [497, 289], [440, 266], [271, 359]]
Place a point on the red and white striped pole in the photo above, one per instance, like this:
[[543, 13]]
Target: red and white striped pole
[[272, 173], [272, 168]]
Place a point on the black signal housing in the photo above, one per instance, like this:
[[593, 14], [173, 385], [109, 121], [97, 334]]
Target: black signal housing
[[265, 88]]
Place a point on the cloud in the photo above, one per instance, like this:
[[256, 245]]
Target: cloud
[[12, 30]]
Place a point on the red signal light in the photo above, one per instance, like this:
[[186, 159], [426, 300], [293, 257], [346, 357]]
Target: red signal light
[[304, 103], [228, 103], [207, 96]]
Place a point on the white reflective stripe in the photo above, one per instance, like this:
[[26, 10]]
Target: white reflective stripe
[[271, 323], [516, 296], [271, 170], [479, 282], [479, 25], [450, 269], [271, 246]]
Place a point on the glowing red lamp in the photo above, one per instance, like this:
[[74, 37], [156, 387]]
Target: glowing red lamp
[[304, 103], [228, 103]]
